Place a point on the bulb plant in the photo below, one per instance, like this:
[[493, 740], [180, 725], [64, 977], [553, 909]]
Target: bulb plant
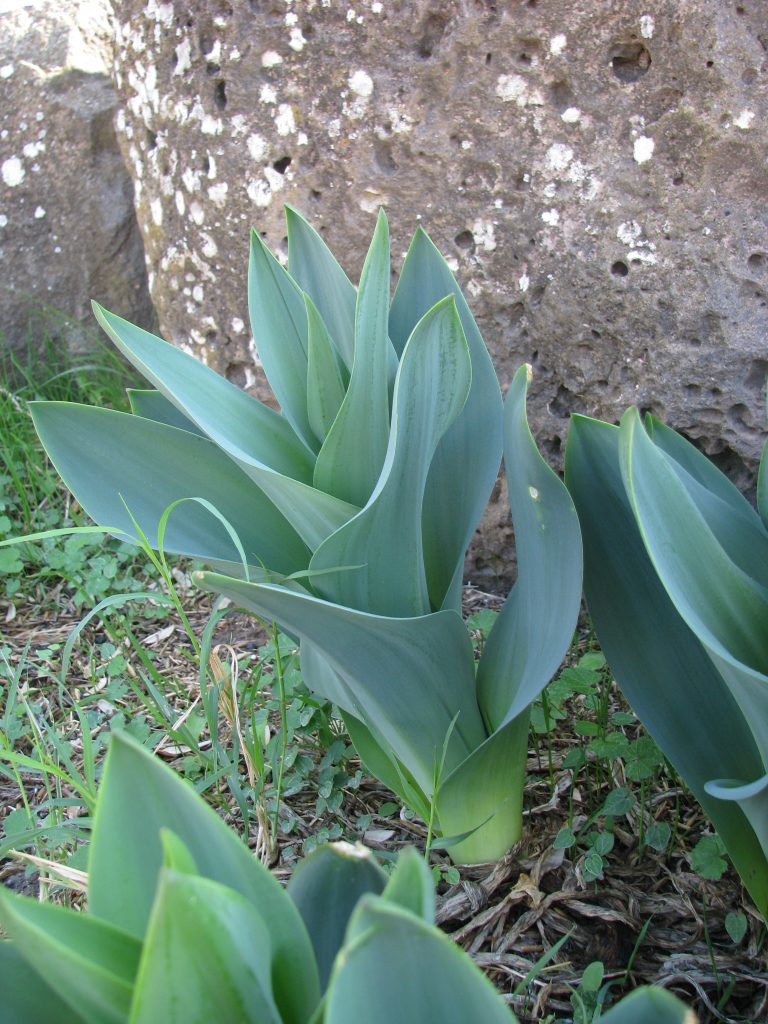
[[676, 580], [185, 926], [345, 517]]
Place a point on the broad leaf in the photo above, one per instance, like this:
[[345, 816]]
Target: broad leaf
[[26, 997], [206, 957], [279, 327], [259, 440], [315, 269], [649, 1006], [722, 603], [467, 459], [325, 387], [326, 887], [411, 887], [534, 629], [660, 665], [139, 797], [152, 405], [411, 677], [115, 463], [427, 977], [349, 463], [89, 963], [381, 548]]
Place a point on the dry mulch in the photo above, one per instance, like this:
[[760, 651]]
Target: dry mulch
[[509, 914]]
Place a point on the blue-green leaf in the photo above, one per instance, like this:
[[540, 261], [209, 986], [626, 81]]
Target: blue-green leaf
[[386, 540], [350, 460], [325, 387], [110, 460]]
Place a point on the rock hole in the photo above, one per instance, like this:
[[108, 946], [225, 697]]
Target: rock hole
[[488, 58], [710, 63], [562, 403], [630, 60], [694, 342], [220, 95], [464, 240], [740, 10], [738, 416], [151, 140], [210, 338], [523, 182], [383, 155], [619, 268], [315, 193], [758, 373], [432, 31], [537, 294], [758, 262], [693, 390], [282, 165], [678, 179], [595, 334]]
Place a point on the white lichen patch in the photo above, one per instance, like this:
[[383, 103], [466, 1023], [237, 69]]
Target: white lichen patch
[[218, 193], [285, 119], [550, 189], [647, 26], [516, 89], [334, 128], [183, 57], [258, 147], [259, 193], [180, 202], [744, 120], [191, 179], [484, 234], [361, 83], [7, 70], [3, 221], [237, 325], [208, 248], [524, 282], [551, 217], [197, 213], [643, 149], [33, 149], [12, 171], [572, 115], [156, 209], [268, 94], [558, 157], [39, 213], [640, 250], [296, 40], [270, 59], [211, 125], [557, 44]]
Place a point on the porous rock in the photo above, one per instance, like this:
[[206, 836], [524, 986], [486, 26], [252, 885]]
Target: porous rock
[[594, 171], [68, 230]]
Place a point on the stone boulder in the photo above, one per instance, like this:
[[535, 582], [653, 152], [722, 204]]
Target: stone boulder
[[594, 171], [68, 230]]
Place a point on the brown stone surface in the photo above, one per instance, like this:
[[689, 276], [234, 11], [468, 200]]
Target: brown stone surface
[[594, 169], [68, 230]]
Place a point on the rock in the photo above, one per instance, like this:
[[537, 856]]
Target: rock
[[595, 172], [68, 230]]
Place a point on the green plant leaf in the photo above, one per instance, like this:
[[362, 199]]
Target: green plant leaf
[[646, 1005], [662, 668], [736, 925], [408, 676], [326, 887], [535, 626], [410, 886], [89, 963], [206, 956], [725, 606], [315, 269], [386, 540], [762, 486], [381, 933], [279, 326], [259, 440], [151, 405], [325, 387], [139, 797], [26, 997], [110, 460], [350, 461], [466, 463]]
